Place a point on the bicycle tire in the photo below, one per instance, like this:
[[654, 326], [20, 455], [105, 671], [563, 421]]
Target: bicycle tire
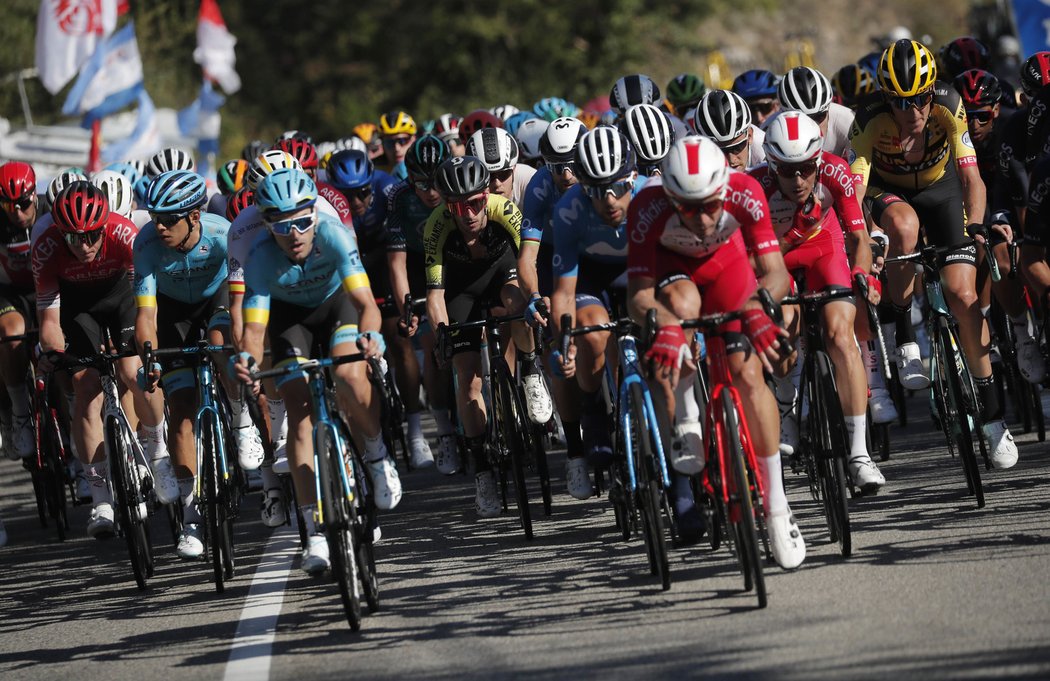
[[335, 523], [52, 463], [958, 416], [743, 520], [211, 505], [511, 425], [119, 453], [363, 519], [229, 492], [649, 490], [835, 443]]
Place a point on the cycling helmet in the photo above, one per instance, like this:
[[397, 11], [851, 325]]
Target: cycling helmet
[[907, 68], [649, 132], [461, 177], [80, 207], [792, 137], [252, 149], [870, 63], [446, 127], [60, 182], [325, 150], [852, 82], [1035, 73], [592, 119], [495, 147], [512, 124], [558, 144], [476, 120], [267, 162], [285, 191], [366, 132], [127, 169], [17, 180], [978, 88], [350, 169], [722, 115], [806, 90], [684, 92], [550, 108], [176, 191], [141, 186], [352, 142], [631, 90], [118, 189], [303, 151], [241, 199], [293, 135], [396, 122], [755, 83], [231, 174], [169, 159], [694, 169], [604, 155], [963, 54], [424, 157], [504, 111], [529, 135]]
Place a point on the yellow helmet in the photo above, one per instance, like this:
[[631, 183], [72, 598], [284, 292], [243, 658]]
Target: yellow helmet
[[366, 131], [590, 118], [396, 123], [907, 68]]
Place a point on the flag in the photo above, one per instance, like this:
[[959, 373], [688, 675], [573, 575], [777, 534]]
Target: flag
[[143, 141], [67, 32], [110, 80], [201, 119], [215, 48], [1032, 18]]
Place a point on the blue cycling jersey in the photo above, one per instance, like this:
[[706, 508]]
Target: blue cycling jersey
[[369, 227], [540, 196], [270, 273], [580, 232], [190, 277]]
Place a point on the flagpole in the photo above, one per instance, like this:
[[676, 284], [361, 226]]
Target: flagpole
[[94, 163]]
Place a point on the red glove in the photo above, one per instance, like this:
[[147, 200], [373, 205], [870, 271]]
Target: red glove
[[669, 348], [760, 329], [807, 216], [874, 283]]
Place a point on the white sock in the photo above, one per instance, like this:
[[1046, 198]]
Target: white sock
[[241, 417], [375, 450], [444, 421], [19, 401], [871, 363], [769, 467], [415, 425], [190, 512], [155, 435], [278, 420], [96, 474], [856, 426], [308, 511], [687, 418]]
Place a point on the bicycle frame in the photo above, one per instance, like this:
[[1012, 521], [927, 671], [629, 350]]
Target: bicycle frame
[[631, 373]]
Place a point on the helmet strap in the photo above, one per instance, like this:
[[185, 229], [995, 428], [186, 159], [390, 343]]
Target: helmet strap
[[189, 232]]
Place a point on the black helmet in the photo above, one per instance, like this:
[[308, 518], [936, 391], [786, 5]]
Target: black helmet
[[425, 156], [461, 177]]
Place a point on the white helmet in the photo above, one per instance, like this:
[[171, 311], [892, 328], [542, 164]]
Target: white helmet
[[352, 142], [528, 135], [496, 148], [504, 111], [117, 189], [634, 89], [722, 115], [60, 182], [649, 132], [267, 162], [603, 155], [792, 137], [558, 144], [806, 90], [169, 159], [694, 169]]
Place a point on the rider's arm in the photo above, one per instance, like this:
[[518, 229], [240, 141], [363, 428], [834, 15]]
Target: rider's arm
[[772, 273], [397, 261], [527, 274], [434, 235], [436, 307], [641, 297], [44, 255], [51, 337], [566, 257], [974, 199]]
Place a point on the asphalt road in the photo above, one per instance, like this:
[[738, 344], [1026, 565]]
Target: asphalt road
[[935, 589]]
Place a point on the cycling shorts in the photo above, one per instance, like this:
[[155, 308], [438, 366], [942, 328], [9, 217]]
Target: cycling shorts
[[92, 311], [294, 331], [378, 269], [822, 260], [182, 324], [469, 293]]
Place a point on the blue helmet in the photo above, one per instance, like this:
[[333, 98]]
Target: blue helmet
[[870, 63], [126, 169], [755, 83], [141, 187], [176, 191], [550, 108], [284, 191], [349, 169], [512, 124]]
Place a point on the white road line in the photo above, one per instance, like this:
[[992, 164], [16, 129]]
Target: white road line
[[253, 642]]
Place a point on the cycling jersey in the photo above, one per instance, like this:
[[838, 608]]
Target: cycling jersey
[[333, 262], [443, 242], [338, 202], [15, 267], [523, 175], [186, 277], [54, 264], [580, 233], [756, 152], [217, 204], [1012, 173], [1035, 225], [876, 144], [540, 197], [369, 227], [406, 219], [836, 139]]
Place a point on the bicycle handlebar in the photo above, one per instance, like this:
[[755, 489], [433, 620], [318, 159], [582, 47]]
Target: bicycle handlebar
[[310, 365]]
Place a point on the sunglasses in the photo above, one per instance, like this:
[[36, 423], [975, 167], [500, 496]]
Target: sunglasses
[[502, 175], [734, 149], [617, 189], [89, 238], [423, 185], [399, 141], [21, 204], [468, 207], [789, 170], [691, 210], [167, 220], [918, 101], [359, 193], [762, 107], [285, 227], [981, 117], [562, 168]]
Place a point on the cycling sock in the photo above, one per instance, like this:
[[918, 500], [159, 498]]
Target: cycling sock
[[991, 409], [19, 401], [871, 364], [190, 512], [375, 450], [415, 425], [96, 474], [155, 444], [856, 427], [476, 451], [772, 483], [241, 417], [269, 478], [308, 511], [528, 363], [278, 420], [573, 439], [687, 418], [905, 332], [443, 420], [785, 393]]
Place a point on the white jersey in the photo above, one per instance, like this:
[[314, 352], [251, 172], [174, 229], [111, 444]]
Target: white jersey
[[836, 139], [522, 176], [757, 154]]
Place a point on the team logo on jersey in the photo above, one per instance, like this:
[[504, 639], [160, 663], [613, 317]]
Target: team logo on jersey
[[204, 248], [851, 156], [966, 139]]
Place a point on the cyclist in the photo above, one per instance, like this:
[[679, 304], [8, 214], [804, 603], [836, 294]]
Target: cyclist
[[369, 134], [80, 269], [851, 84], [293, 278], [963, 54], [229, 179], [120, 196], [758, 88], [169, 158], [812, 202], [724, 116], [691, 232], [914, 162], [306, 154], [18, 211], [470, 245], [446, 128], [397, 130], [684, 92], [650, 134], [809, 91], [529, 135], [180, 266], [498, 150]]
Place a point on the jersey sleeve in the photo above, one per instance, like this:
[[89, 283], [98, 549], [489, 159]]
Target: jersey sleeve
[[839, 180], [954, 119], [256, 304], [568, 213], [503, 211], [1038, 213], [747, 203], [351, 270], [396, 240], [537, 195], [644, 225], [45, 256], [145, 284], [435, 233]]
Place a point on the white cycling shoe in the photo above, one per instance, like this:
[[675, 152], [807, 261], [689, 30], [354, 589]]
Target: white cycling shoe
[[315, 556], [578, 478], [537, 399], [883, 410], [785, 540], [910, 369], [1002, 450], [486, 499]]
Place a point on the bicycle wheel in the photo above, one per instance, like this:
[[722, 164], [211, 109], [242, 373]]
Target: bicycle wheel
[[363, 517], [512, 427], [52, 464], [130, 510], [335, 522], [835, 444], [649, 489], [961, 424], [229, 487], [211, 503], [742, 517]]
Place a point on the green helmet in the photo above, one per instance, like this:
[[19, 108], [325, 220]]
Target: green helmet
[[685, 91]]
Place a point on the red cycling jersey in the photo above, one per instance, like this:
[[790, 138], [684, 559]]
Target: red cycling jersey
[[338, 201], [54, 264]]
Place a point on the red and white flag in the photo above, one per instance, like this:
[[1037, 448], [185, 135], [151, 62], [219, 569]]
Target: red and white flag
[[67, 32], [215, 48]]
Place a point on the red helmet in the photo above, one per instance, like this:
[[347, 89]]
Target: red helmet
[[80, 207], [476, 120], [17, 180], [241, 199], [303, 151], [963, 54], [978, 88]]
